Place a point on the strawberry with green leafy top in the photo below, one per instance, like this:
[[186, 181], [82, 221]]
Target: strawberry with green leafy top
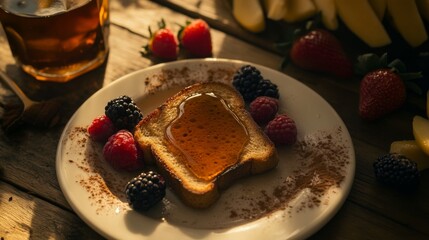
[[383, 88], [195, 37], [381, 92], [163, 43], [320, 51]]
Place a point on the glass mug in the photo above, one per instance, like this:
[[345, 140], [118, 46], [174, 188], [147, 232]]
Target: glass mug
[[56, 40]]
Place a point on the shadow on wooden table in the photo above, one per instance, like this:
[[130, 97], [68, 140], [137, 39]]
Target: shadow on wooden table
[[44, 221], [71, 94]]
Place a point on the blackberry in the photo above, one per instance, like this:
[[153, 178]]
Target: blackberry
[[250, 83], [145, 190], [123, 112], [397, 170]]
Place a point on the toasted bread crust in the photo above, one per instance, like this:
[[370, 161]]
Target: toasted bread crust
[[258, 155]]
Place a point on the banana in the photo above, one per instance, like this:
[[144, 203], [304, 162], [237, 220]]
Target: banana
[[275, 9], [249, 14], [423, 6], [361, 19], [406, 18], [298, 10], [379, 7], [421, 132], [329, 13]]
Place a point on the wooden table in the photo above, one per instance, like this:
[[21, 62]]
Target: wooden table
[[32, 205]]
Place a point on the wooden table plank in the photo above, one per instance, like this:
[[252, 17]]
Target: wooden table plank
[[217, 14], [27, 158], [24, 216], [356, 223], [137, 18], [36, 218], [406, 208]]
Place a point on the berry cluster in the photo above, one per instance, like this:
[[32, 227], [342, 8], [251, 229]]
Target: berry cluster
[[194, 38], [122, 152], [250, 83], [263, 96], [113, 129]]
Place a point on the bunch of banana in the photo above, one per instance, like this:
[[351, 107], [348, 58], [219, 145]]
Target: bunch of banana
[[363, 17]]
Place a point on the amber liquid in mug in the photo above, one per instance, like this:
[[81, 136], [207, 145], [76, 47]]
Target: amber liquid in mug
[[208, 134], [56, 40]]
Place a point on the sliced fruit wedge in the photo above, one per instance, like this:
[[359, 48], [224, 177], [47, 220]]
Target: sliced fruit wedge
[[421, 133], [299, 10], [361, 19], [249, 14], [379, 7], [275, 9], [411, 150], [329, 13], [406, 19], [423, 6]]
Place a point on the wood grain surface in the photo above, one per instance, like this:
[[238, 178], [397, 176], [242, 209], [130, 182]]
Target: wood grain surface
[[31, 201]]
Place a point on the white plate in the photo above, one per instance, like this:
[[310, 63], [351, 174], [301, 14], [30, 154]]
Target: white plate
[[317, 175]]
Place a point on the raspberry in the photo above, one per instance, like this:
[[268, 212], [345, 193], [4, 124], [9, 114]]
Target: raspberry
[[396, 170], [145, 190], [123, 112], [122, 152], [263, 109], [281, 130], [101, 128], [250, 83]]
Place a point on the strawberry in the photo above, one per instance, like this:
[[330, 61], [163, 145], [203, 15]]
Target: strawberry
[[381, 92], [383, 88], [320, 51], [162, 43], [195, 37]]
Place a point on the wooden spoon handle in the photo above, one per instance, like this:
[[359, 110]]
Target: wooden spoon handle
[[16, 89]]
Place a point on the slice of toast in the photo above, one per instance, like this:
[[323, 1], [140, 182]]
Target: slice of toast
[[200, 186]]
